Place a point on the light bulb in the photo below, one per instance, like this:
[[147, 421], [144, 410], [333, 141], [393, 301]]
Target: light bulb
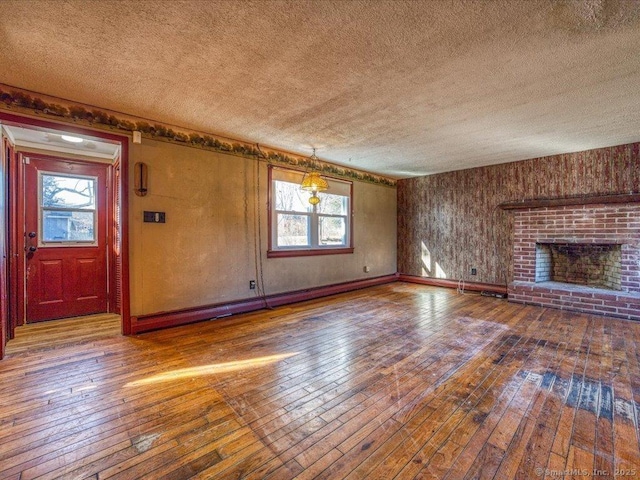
[[69, 138]]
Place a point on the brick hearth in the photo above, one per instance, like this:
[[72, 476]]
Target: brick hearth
[[606, 233]]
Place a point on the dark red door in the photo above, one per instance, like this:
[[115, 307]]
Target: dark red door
[[65, 238]]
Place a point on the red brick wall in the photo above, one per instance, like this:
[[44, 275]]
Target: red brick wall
[[597, 224], [612, 304]]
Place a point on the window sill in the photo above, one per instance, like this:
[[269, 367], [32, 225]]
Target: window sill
[[308, 253]]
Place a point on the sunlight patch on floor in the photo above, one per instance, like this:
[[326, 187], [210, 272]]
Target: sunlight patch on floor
[[211, 369]]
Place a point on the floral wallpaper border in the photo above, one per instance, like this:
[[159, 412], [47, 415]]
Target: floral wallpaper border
[[14, 99]]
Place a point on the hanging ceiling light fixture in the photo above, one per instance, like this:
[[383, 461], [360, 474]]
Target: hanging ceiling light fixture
[[313, 182]]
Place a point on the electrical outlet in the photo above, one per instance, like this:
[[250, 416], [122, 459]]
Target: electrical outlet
[[474, 271], [252, 284], [366, 269]]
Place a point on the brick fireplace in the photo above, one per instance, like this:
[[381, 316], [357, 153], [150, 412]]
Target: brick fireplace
[[578, 257]]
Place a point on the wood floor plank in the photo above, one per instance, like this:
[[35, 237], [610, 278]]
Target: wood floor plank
[[533, 346], [466, 397], [447, 455], [395, 381], [499, 397], [107, 434]]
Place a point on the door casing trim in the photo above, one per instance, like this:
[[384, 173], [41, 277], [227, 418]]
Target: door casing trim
[[37, 123]]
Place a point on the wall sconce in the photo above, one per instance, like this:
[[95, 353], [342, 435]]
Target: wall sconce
[[140, 179]]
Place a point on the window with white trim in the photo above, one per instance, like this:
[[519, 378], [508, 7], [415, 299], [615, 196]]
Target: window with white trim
[[298, 226], [67, 209]]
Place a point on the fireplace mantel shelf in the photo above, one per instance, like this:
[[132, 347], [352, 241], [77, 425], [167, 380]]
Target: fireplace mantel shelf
[[564, 201]]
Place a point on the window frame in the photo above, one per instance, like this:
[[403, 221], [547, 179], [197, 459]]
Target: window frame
[[295, 251]]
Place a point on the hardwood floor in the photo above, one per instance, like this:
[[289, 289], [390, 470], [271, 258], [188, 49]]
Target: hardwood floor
[[57, 333], [396, 381]]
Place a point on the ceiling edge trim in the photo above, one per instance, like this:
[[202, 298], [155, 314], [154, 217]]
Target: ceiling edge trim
[[23, 101]]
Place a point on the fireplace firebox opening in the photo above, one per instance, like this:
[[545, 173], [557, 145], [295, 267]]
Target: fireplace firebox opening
[[589, 264]]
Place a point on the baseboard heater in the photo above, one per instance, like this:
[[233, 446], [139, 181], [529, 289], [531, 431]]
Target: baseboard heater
[[156, 321], [489, 293], [492, 289]]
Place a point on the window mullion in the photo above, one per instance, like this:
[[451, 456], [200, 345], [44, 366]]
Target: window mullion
[[314, 228], [291, 212], [67, 209]]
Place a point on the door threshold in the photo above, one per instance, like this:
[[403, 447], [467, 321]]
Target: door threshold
[[52, 334]]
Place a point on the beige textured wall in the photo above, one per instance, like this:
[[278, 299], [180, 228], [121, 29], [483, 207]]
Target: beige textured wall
[[205, 253]]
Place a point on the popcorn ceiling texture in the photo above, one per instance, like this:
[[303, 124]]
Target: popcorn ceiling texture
[[400, 88], [23, 101]]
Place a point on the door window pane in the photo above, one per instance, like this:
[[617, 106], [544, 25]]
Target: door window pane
[[293, 230], [67, 209], [68, 192], [64, 226]]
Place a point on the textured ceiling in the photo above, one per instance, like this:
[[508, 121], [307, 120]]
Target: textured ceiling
[[401, 88]]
